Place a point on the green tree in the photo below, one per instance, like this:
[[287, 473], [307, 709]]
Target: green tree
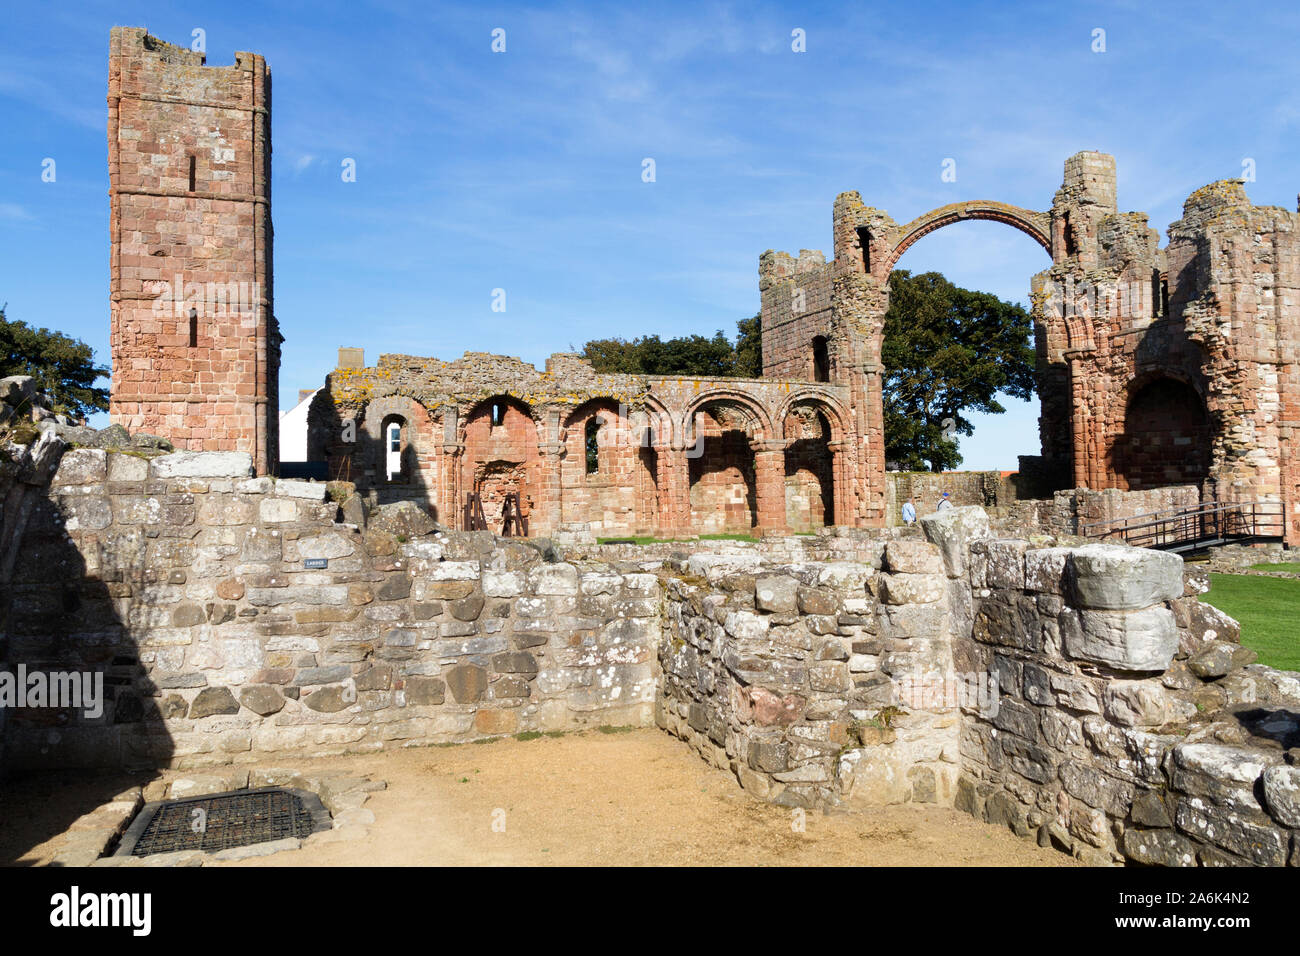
[[62, 366], [714, 357], [947, 351], [749, 348]]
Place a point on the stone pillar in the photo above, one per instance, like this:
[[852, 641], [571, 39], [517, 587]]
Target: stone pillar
[[451, 502], [1081, 427], [769, 482], [841, 500], [546, 520], [871, 497], [673, 481]]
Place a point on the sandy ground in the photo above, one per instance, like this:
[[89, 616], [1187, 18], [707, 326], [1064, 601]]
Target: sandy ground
[[632, 798]]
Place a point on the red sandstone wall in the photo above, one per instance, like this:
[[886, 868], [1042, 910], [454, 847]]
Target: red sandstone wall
[[215, 389]]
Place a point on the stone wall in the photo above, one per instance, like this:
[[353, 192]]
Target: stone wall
[[785, 674], [675, 453], [1081, 696], [988, 489], [234, 617], [1131, 724]]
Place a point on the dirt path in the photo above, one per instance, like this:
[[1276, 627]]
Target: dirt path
[[632, 798]]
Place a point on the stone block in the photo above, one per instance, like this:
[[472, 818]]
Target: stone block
[[203, 464], [913, 557], [1136, 703], [952, 531], [899, 589], [1141, 641], [1006, 563], [1117, 578], [777, 593], [1282, 794]]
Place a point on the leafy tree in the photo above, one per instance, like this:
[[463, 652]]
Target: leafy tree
[[714, 357], [749, 348], [947, 351], [62, 366]]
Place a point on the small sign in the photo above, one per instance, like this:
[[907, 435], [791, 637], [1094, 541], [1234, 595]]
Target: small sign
[[316, 563]]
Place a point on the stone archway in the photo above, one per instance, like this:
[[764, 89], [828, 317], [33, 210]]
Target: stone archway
[[1166, 436], [722, 472], [1036, 225]]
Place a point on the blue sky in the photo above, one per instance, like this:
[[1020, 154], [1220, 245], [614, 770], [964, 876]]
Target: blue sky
[[522, 170]]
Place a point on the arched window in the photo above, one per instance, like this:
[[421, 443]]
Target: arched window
[[194, 328], [393, 448], [821, 360], [498, 414], [591, 435]]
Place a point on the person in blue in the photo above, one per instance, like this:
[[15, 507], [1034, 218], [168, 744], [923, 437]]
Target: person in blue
[[909, 512], [944, 502]]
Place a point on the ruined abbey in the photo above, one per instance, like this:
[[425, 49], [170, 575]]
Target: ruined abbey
[[992, 660], [1156, 366]]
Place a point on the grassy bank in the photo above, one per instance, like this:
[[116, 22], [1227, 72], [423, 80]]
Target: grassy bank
[[1268, 610]]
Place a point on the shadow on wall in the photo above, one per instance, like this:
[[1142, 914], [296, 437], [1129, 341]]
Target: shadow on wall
[[1166, 439], [70, 598], [376, 450]]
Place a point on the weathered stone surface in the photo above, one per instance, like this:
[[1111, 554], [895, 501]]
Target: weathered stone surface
[[1219, 658], [1159, 848], [1224, 828], [1223, 773], [1127, 640], [402, 519], [467, 682], [913, 557], [262, 699], [1046, 569], [203, 464], [1006, 563], [425, 690], [952, 531], [213, 700], [330, 699], [1116, 578], [1136, 703], [1282, 794], [898, 589], [778, 593]]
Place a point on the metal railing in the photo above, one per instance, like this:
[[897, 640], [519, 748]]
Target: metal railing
[[1210, 523]]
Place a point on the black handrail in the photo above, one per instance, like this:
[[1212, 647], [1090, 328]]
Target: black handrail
[[1212, 521]]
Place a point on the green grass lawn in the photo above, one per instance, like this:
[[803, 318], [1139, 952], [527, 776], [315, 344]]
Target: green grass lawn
[[1268, 610], [1293, 567]]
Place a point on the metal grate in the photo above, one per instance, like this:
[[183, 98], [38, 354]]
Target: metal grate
[[224, 820]]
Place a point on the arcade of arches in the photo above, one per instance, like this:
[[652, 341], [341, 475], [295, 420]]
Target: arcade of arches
[[1155, 366]]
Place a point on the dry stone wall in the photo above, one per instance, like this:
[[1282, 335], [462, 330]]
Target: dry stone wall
[[234, 616], [786, 674], [1131, 725]]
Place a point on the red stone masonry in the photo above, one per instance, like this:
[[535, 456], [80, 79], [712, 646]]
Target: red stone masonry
[[195, 343]]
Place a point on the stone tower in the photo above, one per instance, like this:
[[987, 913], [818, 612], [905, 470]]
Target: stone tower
[[195, 343]]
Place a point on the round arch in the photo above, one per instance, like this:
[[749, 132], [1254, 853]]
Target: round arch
[[1165, 435], [1031, 223], [836, 415], [760, 418]]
